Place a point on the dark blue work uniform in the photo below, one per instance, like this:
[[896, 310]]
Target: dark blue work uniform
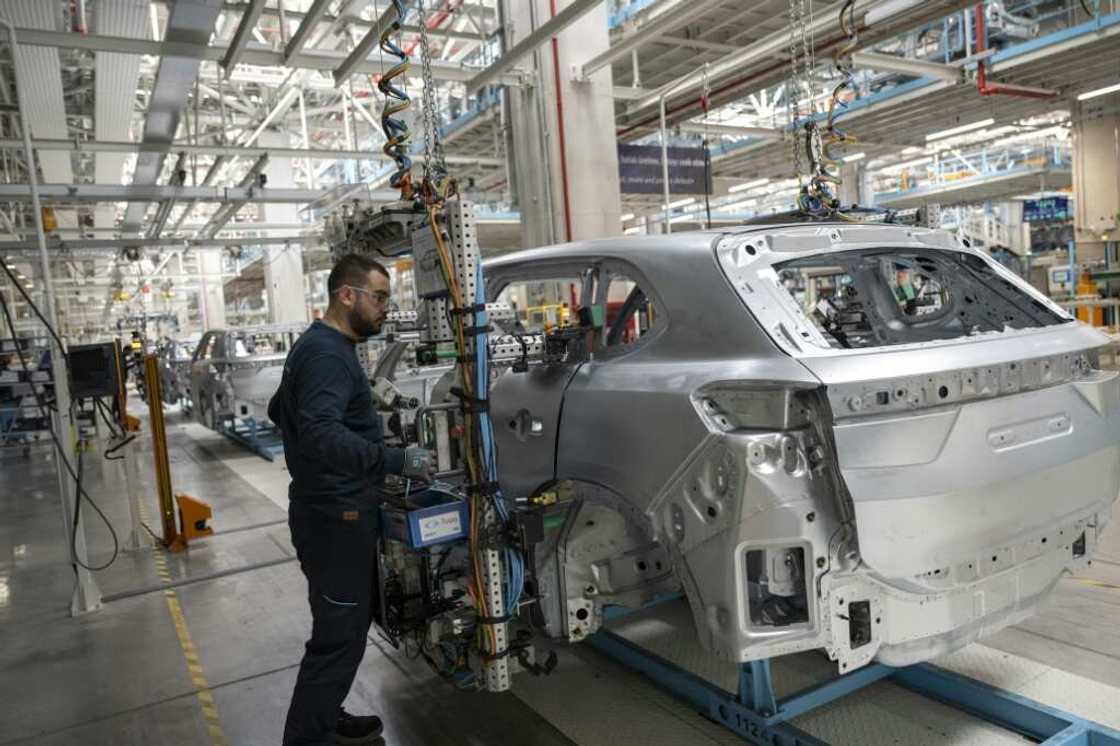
[[335, 454]]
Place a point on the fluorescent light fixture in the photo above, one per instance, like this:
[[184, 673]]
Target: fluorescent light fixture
[[912, 150], [1048, 132], [748, 185], [681, 203], [689, 218], [627, 216], [909, 164], [888, 9], [854, 157], [1047, 193], [960, 130], [1099, 92], [632, 231], [738, 205]]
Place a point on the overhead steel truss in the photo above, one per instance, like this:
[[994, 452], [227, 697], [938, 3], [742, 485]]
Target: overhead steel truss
[[76, 193], [253, 54]]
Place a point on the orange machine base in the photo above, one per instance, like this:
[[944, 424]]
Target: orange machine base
[[193, 517]]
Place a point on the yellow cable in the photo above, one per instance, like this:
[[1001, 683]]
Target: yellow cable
[[468, 421]]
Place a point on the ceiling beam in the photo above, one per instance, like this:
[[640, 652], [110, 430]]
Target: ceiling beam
[[189, 26], [241, 37], [708, 46], [759, 63], [322, 60], [141, 193], [226, 212], [545, 31], [211, 172], [178, 178], [362, 24], [357, 55], [306, 27], [649, 31], [238, 151], [891, 64], [110, 246], [730, 129]]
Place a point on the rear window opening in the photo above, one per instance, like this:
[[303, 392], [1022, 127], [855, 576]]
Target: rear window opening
[[881, 297]]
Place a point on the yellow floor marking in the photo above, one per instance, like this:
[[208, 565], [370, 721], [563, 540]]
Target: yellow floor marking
[[190, 654], [198, 678], [1098, 584]]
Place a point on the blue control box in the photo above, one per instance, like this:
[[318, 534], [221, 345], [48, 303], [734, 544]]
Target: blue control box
[[431, 517]]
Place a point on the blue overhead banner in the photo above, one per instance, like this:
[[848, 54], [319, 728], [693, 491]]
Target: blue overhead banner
[[639, 170], [1048, 208]]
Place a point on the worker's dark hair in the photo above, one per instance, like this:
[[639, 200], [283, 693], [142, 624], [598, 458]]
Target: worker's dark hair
[[352, 269]]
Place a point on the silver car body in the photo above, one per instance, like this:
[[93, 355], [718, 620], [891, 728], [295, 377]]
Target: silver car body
[[234, 372], [175, 369], [883, 502]]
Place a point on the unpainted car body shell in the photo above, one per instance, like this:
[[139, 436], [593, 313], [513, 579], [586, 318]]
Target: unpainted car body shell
[[724, 432], [226, 385], [175, 369]]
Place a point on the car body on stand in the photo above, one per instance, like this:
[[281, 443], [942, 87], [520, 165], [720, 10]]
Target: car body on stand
[[175, 356], [867, 438], [234, 372]]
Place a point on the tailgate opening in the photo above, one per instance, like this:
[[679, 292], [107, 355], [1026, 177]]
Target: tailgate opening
[[879, 297]]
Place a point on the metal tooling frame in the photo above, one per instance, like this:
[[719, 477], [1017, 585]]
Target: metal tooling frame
[[756, 714], [466, 256], [461, 238], [261, 440]]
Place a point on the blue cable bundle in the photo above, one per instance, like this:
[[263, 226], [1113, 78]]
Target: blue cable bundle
[[396, 101], [515, 565]]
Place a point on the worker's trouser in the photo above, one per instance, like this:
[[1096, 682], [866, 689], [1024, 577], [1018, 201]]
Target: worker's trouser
[[336, 552]]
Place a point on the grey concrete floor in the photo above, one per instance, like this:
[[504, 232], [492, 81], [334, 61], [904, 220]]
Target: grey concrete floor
[[118, 676]]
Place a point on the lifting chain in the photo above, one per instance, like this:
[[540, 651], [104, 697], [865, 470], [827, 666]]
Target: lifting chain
[[810, 139], [829, 164], [436, 183], [705, 91], [706, 105], [799, 83]]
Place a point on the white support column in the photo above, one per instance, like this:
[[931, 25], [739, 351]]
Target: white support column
[[576, 182], [128, 471], [852, 189], [87, 596], [283, 264], [211, 294], [1096, 175]]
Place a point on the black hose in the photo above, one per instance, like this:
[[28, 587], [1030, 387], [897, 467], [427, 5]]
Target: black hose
[[707, 184], [114, 427], [77, 513], [849, 8]]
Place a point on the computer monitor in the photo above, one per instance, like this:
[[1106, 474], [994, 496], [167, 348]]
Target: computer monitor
[[94, 370]]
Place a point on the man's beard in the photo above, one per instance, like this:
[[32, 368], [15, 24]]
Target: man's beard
[[361, 326]]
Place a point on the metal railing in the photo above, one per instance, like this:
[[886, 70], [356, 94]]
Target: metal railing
[[951, 167]]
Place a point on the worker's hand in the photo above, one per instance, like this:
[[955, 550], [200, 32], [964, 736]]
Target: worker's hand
[[419, 464]]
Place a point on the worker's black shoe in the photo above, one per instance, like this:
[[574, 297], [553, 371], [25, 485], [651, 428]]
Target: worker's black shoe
[[357, 729]]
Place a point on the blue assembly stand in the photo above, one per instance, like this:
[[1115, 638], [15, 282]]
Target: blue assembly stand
[[262, 439], [756, 714]]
